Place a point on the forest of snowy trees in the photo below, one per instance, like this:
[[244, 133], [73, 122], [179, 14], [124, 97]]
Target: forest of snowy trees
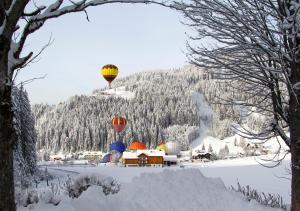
[[161, 104], [26, 137]]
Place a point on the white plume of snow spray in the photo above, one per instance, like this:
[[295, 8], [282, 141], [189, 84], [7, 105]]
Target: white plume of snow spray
[[206, 118]]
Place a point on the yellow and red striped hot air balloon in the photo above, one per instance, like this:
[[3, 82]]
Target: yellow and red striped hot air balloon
[[109, 72], [118, 123]]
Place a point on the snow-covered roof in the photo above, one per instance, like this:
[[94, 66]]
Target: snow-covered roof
[[129, 155], [170, 158], [84, 154], [92, 153], [151, 152], [134, 155]]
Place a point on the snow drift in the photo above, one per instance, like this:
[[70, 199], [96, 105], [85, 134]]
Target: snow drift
[[176, 190]]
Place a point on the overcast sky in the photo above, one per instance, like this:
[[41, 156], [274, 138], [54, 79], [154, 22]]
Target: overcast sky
[[133, 37]]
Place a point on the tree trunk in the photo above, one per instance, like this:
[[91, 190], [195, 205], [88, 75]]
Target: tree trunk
[[294, 121], [7, 198]]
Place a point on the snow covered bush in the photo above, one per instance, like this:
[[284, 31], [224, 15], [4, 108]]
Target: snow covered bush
[[270, 199], [83, 182], [25, 197], [51, 195], [43, 175]]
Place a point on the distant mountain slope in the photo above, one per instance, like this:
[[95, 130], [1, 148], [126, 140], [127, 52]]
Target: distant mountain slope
[[150, 101]]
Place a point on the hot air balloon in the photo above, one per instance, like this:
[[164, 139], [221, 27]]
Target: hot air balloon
[[118, 123], [161, 147], [172, 148], [106, 158], [115, 156], [118, 146], [137, 145], [109, 72]]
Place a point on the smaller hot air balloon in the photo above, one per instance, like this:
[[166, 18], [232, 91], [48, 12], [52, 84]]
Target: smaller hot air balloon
[[106, 158], [137, 145], [118, 123], [161, 147], [115, 156], [172, 148], [109, 72], [118, 146]]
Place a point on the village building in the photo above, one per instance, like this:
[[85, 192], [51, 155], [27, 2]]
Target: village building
[[153, 158], [170, 160], [90, 155]]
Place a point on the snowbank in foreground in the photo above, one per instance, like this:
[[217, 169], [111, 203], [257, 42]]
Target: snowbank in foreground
[[176, 190]]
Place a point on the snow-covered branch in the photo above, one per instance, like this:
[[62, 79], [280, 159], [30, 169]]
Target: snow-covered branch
[[54, 11], [254, 44], [36, 19]]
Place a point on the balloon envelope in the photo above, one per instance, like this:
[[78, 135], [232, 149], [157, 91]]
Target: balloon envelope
[[118, 146], [137, 145], [106, 158], [172, 148], [109, 72], [115, 156], [161, 147], [118, 123]]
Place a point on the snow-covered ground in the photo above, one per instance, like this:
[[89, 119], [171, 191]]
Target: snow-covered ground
[[234, 144], [175, 188], [247, 171]]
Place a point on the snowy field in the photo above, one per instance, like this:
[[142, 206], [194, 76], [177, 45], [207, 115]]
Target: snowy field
[[175, 188]]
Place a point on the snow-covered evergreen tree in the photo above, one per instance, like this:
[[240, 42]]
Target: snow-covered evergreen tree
[[203, 148], [25, 150], [224, 152], [210, 149]]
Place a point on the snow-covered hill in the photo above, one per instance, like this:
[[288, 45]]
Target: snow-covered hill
[[154, 103]]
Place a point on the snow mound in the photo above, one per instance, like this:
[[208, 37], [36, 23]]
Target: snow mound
[[176, 190], [92, 199], [116, 92], [180, 190]]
